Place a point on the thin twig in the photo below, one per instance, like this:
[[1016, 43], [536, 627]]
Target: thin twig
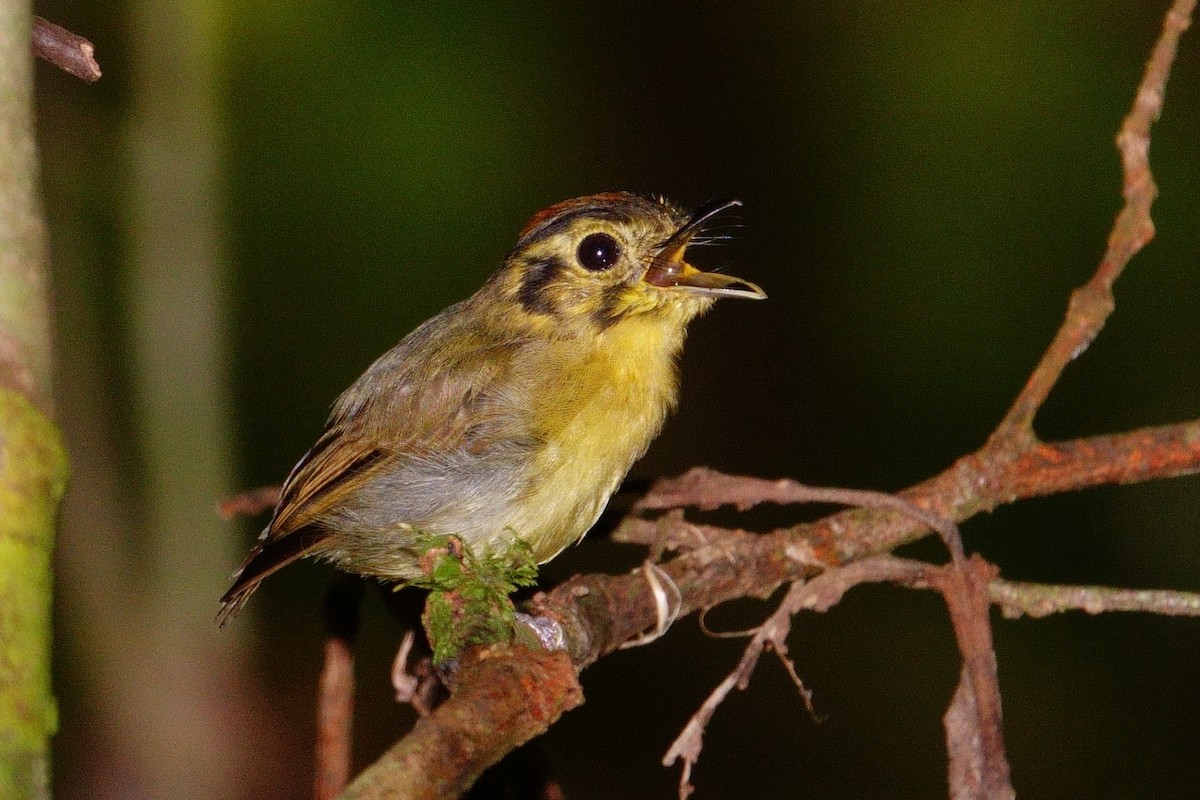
[[1093, 302], [250, 503], [335, 716], [820, 593], [772, 633], [708, 489], [965, 587], [65, 50], [977, 764], [1041, 600], [418, 686]]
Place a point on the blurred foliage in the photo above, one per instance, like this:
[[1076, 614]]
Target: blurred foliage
[[923, 186]]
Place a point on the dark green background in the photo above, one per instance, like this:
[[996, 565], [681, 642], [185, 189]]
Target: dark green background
[[924, 183]]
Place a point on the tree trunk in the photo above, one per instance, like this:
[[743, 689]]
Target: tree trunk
[[32, 459]]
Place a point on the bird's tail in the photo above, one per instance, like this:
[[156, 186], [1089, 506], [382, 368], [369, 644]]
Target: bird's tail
[[267, 557]]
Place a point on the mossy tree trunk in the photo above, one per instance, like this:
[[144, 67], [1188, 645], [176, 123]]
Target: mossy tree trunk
[[32, 459]]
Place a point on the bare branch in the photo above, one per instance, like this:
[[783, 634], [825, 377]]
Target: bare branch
[[335, 692], [978, 731], [980, 481], [961, 721], [1042, 600], [1092, 303], [708, 489], [335, 715], [979, 767], [65, 50], [720, 564], [772, 633]]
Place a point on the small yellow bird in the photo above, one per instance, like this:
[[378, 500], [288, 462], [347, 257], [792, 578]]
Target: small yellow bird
[[513, 414]]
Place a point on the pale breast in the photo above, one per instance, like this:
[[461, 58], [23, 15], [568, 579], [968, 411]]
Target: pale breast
[[607, 405], [553, 438]]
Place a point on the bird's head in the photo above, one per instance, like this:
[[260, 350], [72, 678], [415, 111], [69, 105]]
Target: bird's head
[[586, 264]]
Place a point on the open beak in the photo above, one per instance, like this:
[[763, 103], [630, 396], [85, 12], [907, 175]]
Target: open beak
[[669, 270]]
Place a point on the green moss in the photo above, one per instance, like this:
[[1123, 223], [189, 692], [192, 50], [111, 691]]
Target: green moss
[[468, 600], [33, 473]]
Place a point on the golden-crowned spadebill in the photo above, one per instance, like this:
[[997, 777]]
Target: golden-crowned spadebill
[[513, 414]]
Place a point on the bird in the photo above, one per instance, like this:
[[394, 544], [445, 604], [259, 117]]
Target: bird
[[512, 415]]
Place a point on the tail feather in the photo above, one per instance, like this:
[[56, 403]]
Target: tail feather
[[265, 559]]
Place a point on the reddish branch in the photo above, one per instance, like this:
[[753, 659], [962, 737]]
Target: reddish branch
[[974, 735], [251, 503], [502, 698], [65, 50], [599, 612], [1092, 303], [335, 692], [335, 715], [709, 573]]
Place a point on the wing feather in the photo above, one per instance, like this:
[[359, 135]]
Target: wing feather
[[428, 395]]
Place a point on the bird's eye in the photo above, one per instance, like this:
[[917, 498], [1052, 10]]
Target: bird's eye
[[598, 251]]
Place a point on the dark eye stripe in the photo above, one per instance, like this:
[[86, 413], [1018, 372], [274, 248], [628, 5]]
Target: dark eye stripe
[[539, 274]]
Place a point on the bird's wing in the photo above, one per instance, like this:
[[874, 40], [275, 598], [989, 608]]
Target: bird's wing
[[374, 427], [310, 488], [340, 455], [385, 416]]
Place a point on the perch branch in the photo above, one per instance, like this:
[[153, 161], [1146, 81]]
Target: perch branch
[[978, 482], [501, 698]]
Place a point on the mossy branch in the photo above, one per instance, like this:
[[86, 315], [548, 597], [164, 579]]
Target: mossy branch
[[468, 603]]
